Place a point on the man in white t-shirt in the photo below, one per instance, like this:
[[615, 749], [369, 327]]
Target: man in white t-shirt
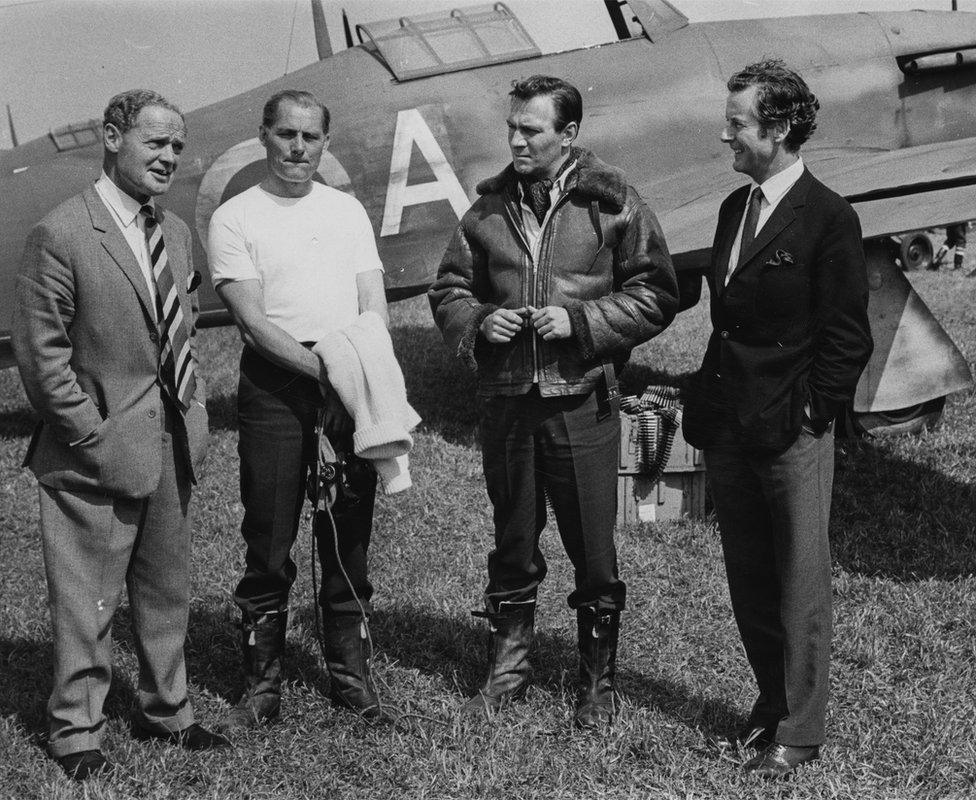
[[294, 261]]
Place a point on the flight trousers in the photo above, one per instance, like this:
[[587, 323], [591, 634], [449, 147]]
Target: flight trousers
[[565, 449]]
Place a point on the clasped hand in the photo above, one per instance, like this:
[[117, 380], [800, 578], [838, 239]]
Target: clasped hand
[[550, 322]]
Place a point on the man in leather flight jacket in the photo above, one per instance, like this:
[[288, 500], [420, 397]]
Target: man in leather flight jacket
[[556, 272]]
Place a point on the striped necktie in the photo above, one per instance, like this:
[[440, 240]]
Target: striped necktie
[[176, 366]]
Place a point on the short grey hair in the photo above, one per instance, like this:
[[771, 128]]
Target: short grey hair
[[123, 110]]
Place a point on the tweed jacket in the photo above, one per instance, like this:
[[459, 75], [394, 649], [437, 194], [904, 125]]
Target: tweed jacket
[[87, 346]]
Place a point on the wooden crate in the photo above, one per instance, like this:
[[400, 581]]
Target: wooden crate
[[673, 496]]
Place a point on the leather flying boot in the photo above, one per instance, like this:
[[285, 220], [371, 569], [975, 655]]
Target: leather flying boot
[[509, 643], [347, 657], [263, 642], [598, 631]]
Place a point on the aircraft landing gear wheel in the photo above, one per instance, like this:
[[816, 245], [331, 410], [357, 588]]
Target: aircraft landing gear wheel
[[913, 419], [916, 251]]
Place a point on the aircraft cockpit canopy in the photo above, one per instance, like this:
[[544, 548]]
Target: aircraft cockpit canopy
[[433, 44], [78, 134]]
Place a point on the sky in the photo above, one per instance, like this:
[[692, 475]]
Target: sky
[[60, 60]]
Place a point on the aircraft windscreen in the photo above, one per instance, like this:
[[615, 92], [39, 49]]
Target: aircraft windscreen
[[431, 44]]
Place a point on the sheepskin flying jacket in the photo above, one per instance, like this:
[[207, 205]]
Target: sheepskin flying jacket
[[602, 256]]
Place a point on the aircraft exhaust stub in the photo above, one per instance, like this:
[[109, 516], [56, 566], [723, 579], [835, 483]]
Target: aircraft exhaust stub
[[932, 62]]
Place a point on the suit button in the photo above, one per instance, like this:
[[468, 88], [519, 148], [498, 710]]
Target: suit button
[[154, 337], [152, 413], [724, 334]]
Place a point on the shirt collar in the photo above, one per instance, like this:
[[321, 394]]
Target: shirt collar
[[558, 185], [560, 182], [778, 185], [125, 206]]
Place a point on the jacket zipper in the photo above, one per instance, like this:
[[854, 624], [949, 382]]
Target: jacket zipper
[[515, 221], [544, 239]]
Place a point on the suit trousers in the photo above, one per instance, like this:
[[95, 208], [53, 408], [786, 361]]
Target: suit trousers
[[773, 512], [566, 450], [277, 411], [93, 545]]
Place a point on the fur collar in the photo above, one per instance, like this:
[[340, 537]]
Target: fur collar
[[591, 178]]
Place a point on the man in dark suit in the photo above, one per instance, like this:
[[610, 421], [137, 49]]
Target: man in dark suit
[[104, 336], [791, 336]]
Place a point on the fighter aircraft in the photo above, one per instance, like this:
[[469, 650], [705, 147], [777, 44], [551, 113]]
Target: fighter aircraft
[[420, 105]]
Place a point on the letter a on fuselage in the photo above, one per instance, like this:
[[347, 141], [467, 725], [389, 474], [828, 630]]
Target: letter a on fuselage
[[411, 129]]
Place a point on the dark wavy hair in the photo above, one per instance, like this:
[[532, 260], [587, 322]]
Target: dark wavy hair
[[123, 109], [782, 96], [302, 99], [566, 99]]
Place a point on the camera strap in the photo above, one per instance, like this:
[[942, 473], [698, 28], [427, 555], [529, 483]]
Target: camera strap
[[323, 478]]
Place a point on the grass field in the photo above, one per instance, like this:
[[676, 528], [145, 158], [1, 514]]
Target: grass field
[[902, 718]]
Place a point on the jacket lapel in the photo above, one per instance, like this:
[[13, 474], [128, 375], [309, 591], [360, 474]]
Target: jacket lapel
[[728, 228], [118, 248], [783, 215]]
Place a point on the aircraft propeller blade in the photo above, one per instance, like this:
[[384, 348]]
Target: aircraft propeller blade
[[322, 42], [347, 29]]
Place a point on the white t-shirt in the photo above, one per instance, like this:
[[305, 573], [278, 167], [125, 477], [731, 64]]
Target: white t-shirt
[[305, 251]]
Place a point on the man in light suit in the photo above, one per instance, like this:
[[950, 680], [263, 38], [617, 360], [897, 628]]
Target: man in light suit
[[104, 336], [791, 336]]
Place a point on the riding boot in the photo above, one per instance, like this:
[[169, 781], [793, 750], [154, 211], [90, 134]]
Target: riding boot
[[509, 642], [347, 657], [598, 633], [262, 642]]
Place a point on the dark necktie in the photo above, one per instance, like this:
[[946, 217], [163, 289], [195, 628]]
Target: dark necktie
[[751, 223], [538, 192], [176, 367], [539, 198]]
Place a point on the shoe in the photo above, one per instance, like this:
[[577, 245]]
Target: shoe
[[779, 760], [509, 670], [194, 737], [262, 644], [751, 735], [82, 765], [597, 632]]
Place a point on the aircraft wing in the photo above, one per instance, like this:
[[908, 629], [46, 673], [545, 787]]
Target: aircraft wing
[[893, 191], [915, 187]]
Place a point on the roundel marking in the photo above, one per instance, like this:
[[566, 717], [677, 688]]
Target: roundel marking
[[233, 160]]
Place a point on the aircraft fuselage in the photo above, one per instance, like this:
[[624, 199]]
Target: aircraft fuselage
[[413, 152]]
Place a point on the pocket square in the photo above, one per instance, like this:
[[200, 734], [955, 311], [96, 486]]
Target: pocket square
[[193, 281], [781, 257]]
